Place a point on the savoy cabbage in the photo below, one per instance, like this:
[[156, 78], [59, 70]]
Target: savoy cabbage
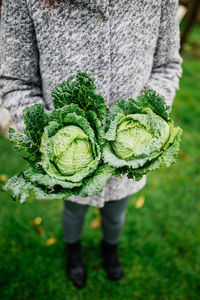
[[63, 146], [140, 135], [76, 147]]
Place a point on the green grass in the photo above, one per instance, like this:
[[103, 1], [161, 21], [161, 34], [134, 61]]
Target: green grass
[[160, 242]]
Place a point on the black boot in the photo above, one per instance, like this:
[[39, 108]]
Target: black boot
[[110, 260], [74, 267]]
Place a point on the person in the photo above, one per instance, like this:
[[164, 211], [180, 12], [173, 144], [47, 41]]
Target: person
[[128, 46]]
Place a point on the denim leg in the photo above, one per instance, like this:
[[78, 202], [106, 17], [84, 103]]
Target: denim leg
[[113, 216], [73, 220]]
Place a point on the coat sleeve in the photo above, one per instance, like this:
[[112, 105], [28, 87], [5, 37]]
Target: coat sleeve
[[166, 69], [20, 82]]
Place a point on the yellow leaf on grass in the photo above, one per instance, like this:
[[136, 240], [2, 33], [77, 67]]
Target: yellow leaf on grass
[[96, 212], [36, 222], [96, 223], [140, 202], [3, 177], [51, 241]]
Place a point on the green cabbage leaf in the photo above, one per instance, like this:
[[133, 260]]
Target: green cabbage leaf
[[63, 146], [140, 135], [76, 147]]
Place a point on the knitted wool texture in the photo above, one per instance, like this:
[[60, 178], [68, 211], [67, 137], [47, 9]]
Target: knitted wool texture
[[127, 45]]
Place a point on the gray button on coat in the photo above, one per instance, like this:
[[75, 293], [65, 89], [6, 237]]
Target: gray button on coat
[[127, 45]]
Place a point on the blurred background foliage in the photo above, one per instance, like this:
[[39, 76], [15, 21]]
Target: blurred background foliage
[[160, 242]]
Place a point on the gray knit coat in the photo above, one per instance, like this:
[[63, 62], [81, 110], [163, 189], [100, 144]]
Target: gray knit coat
[[127, 45]]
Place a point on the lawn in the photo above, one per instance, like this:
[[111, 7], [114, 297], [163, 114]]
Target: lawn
[[160, 243]]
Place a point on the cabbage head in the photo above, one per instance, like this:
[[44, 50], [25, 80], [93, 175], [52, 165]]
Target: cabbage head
[[140, 135], [63, 146]]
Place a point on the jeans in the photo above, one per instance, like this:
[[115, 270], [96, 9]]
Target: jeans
[[112, 220]]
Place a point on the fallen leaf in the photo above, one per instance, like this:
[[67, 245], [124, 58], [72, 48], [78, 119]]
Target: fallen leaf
[[3, 177], [37, 221], [39, 229], [96, 266], [140, 202], [136, 294], [184, 155], [51, 241], [96, 212], [96, 223]]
